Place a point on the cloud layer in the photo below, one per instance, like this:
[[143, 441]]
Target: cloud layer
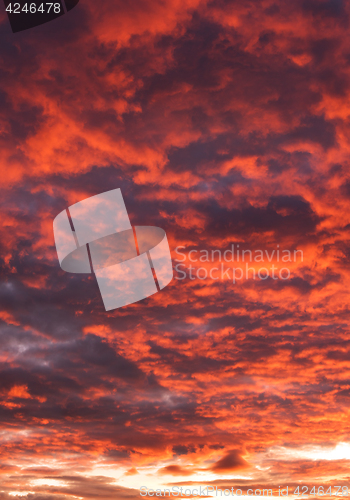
[[222, 123]]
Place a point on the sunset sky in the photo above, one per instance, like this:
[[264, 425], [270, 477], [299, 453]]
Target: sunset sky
[[223, 122]]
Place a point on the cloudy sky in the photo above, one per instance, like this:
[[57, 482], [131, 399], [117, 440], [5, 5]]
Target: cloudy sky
[[223, 122]]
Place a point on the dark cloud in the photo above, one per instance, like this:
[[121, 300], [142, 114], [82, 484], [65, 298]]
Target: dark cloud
[[231, 461], [175, 470]]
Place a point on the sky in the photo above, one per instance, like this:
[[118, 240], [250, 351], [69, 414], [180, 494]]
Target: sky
[[223, 123]]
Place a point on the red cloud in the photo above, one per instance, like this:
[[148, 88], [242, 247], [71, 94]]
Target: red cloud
[[232, 461]]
